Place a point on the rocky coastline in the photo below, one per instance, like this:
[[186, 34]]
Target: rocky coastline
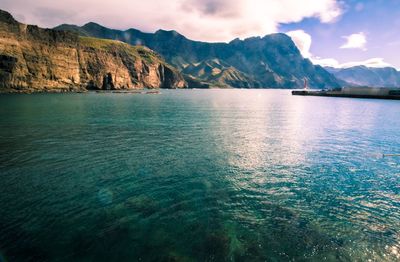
[[33, 60]]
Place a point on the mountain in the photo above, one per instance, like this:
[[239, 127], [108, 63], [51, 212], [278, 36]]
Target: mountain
[[368, 76], [36, 59], [219, 74], [271, 61]]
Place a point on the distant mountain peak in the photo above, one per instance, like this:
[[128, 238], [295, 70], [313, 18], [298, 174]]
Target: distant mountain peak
[[277, 36], [362, 75], [7, 17], [93, 25], [236, 40], [253, 38], [170, 33], [271, 61]]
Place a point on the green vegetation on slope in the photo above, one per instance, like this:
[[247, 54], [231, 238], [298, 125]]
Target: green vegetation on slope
[[108, 45]]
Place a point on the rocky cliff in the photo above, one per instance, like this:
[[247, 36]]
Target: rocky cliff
[[272, 61], [35, 59]]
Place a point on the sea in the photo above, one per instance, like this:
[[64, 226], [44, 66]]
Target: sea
[[199, 175]]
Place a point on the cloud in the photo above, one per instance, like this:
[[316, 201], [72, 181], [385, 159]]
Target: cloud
[[331, 62], [48, 15], [376, 62], [302, 41], [207, 20], [356, 41]]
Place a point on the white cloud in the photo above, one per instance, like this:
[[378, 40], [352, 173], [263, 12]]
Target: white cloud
[[302, 40], [331, 62], [376, 62], [372, 62], [207, 20], [356, 41]]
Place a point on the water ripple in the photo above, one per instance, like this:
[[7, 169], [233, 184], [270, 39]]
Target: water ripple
[[219, 175]]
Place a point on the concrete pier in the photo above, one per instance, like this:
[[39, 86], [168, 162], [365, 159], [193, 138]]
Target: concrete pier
[[353, 92]]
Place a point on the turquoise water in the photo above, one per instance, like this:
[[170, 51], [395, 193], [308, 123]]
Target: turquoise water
[[198, 175]]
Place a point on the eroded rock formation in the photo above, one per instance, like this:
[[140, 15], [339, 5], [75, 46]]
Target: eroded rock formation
[[36, 59]]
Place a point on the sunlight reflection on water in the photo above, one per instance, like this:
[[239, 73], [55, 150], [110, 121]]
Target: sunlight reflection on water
[[199, 174]]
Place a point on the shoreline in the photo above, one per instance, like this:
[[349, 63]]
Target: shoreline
[[294, 92], [85, 91], [123, 91]]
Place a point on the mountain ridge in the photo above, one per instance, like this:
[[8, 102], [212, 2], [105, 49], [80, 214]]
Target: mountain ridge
[[34, 59], [271, 61], [368, 76]]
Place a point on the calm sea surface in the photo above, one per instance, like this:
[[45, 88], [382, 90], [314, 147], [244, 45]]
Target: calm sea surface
[[198, 175]]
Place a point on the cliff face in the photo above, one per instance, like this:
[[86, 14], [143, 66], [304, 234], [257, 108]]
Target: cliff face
[[271, 61], [35, 59], [110, 64]]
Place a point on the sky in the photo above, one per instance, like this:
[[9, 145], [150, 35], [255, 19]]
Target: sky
[[339, 33]]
